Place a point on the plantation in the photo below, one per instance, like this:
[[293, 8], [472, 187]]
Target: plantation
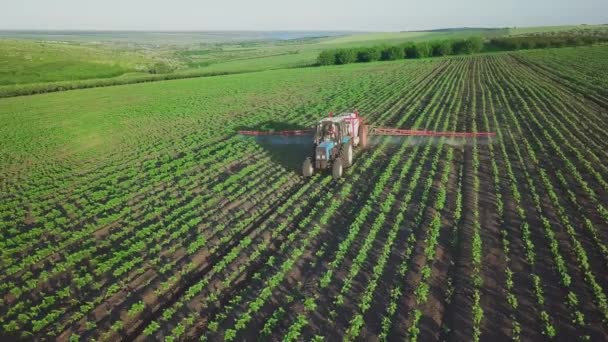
[[137, 212]]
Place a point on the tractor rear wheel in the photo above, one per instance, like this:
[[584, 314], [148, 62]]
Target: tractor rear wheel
[[347, 155], [363, 130], [337, 168], [307, 168]]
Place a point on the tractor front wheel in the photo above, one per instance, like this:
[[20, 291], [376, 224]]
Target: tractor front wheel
[[307, 168], [347, 155], [337, 168]]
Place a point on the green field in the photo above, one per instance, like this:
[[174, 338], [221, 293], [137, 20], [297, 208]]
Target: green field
[[136, 212], [31, 62], [90, 120], [552, 29], [370, 39], [23, 62]]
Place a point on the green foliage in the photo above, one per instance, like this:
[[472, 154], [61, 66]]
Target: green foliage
[[271, 323], [294, 331], [26, 62], [409, 51], [136, 308], [160, 68], [166, 182], [346, 56], [310, 304], [477, 315], [441, 48], [423, 50], [151, 328], [117, 326], [464, 46], [391, 53], [413, 331], [370, 54], [229, 335], [468, 46], [542, 41], [418, 50], [327, 57]]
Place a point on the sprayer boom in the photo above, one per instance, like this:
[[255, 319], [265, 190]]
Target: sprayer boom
[[382, 131], [425, 133]]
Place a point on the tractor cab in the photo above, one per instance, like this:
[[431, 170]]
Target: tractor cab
[[330, 131]]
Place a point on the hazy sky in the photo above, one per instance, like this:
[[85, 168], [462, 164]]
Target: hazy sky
[[367, 15]]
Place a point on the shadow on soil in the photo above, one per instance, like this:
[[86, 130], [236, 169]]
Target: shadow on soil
[[271, 125], [287, 151]]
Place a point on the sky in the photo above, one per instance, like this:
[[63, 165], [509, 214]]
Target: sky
[[348, 15]]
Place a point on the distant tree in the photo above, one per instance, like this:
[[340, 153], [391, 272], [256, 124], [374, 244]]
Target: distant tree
[[574, 41], [418, 50], [160, 68], [589, 40], [441, 48], [528, 43], [326, 57], [505, 44], [542, 44], [459, 46], [409, 51], [514, 44], [391, 53], [468, 46], [423, 50], [368, 54], [345, 56], [556, 42], [547, 40], [475, 44]]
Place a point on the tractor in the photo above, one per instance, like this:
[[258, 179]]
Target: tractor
[[335, 138]]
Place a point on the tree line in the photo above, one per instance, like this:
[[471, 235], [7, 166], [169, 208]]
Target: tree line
[[449, 47], [544, 41]]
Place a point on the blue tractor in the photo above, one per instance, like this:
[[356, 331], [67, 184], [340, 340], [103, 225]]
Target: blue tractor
[[334, 141]]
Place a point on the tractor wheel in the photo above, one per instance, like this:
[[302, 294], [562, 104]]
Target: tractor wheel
[[347, 155], [337, 168], [307, 168], [363, 135]]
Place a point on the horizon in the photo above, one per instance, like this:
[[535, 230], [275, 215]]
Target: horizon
[[293, 30]]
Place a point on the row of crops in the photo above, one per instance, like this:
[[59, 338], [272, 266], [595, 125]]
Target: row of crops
[[169, 226]]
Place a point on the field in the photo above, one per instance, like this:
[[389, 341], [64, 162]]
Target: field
[[65, 60], [23, 62], [36, 62], [135, 211]]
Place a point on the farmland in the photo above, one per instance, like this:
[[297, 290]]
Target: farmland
[[23, 62], [38, 62], [136, 212]]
